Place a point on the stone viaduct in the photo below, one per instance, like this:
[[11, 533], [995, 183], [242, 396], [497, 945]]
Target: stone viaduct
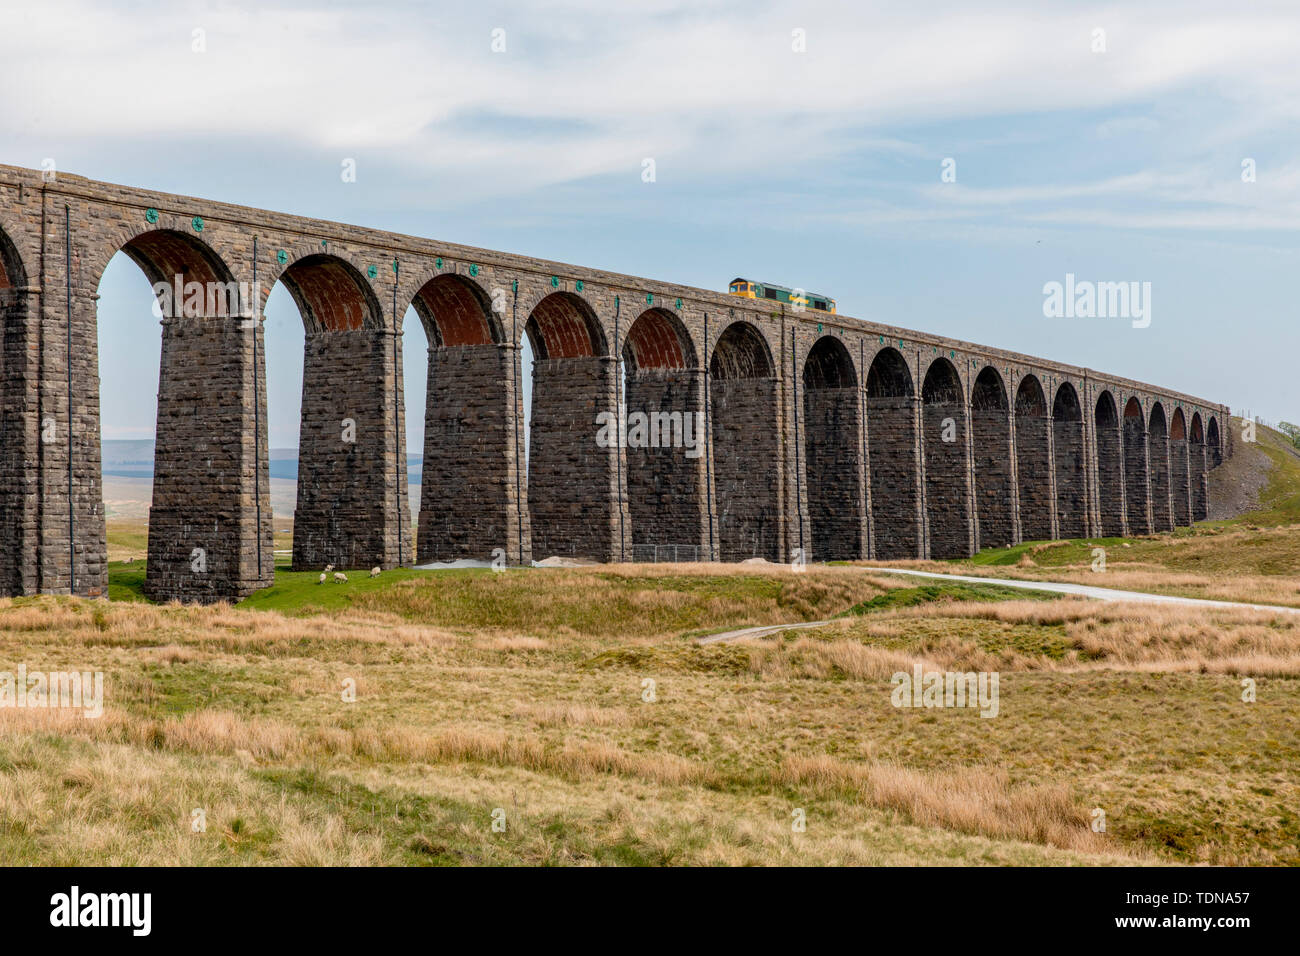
[[823, 436]]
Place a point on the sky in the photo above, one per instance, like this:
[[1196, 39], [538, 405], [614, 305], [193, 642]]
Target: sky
[[928, 164]]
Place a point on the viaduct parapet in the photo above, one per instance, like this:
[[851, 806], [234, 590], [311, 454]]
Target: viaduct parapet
[[820, 436]]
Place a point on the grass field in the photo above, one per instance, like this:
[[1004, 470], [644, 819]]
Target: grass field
[[526, 698], [394, 720]]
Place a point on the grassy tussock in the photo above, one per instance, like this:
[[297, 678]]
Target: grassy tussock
[[1091, 636], [573, 715], [630, 601], [257, 740], [972, 800], [1258, 643], [808, 657]]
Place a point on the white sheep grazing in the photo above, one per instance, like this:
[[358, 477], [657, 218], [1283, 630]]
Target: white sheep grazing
[[322, 578], [340, 577], [329, 568], [374, 572]]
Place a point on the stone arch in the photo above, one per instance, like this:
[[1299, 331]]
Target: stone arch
[[664, 403], [165, 254], [832, 447], [741, 352], [332, 295], [456, 311], [471, 431], [563, 325], [211, 482], [13, 277], [944, 443], [161, 251], [575, 502], [1033, 460], [1136, 472], [1158, 462], [13, 274], [1196, 468], [892, 447], [1213, 443], [991, 450], [1110, 465], [1180, 487], [746, 446], [657, 339], [1068, 463]]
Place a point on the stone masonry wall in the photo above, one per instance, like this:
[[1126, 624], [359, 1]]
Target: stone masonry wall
[[832, 454], [665, 484], [468, 494], [891, 440], [1034, 469], [994, 493], [1196, 468], [1180, 487], [19, 438], [1110, 479], [946, 497], [746, 470], [203, 535], [346, 513], [1071, 502], [1158, 456], [1136, 493], [572, 481]]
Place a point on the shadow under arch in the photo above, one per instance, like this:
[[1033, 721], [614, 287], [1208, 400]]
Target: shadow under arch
[[1069, 464], [892, 448], [1033, 460], [1158, 462], [944, 442], [1136, 482], [332, 295], [1197, 470], [832, 443], [746, 444], [991, 451], [1180, 485], [1213, 443], [1110, 465]]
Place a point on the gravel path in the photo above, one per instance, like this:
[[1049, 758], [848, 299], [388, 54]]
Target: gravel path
[[1081, 590]]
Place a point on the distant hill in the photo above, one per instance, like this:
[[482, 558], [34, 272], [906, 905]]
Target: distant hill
[[128, 459], [133, 458]]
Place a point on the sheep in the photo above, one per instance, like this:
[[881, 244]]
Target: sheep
[[340, 577], [329, 568], [374, 572], [322, 578]]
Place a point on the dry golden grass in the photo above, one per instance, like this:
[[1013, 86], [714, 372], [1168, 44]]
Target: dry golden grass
[[1134, 709], [972, 800]]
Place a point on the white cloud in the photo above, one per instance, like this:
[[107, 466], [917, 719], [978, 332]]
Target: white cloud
[[709, 89]]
